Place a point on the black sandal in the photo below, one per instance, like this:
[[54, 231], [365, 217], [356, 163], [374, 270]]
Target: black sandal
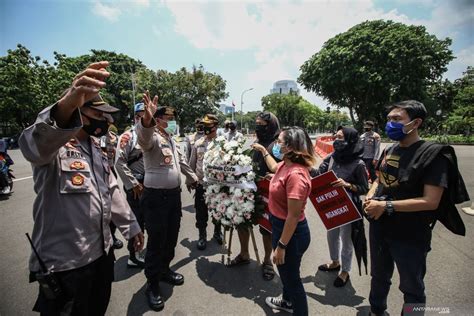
[[325, 267], [268, 273], [238, 261]]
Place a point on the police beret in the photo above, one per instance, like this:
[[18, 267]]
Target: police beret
[[165, 110], [210, 119]]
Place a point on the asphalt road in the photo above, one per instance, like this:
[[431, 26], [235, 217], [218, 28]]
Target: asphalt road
[[210, 288]]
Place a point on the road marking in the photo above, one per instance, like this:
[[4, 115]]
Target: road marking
[[15, 180]]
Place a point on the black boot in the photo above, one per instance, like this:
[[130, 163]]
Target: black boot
[[153, 295], [202, 242], [218, 234]]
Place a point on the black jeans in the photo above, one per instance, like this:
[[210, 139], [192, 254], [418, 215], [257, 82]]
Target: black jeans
[[136, 209], [202, 212], [293, 290], [86, 290], [410, 258], [370, 167], [162, 210]]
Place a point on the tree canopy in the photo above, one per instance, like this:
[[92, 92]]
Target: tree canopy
[[293, 110], [375, 63], [30, 84]]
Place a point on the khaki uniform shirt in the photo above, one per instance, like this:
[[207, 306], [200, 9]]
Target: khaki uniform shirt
[[196, 161], [163, 160], [233, 135], [128, 149], [190, 141], [371, 142], [77, 195]]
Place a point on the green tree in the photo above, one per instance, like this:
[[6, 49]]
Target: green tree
[[192, 93], [289, 108], [375, 63], [461, 119], [24, 88]]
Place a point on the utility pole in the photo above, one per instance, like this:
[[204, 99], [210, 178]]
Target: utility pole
[[241, 109]]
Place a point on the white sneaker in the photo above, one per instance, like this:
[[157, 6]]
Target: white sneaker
[[136, 262], [279, 303], [6, 190]]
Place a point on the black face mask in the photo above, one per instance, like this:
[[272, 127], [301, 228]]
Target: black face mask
[[96, 127], [339, 145], [261, 131], [208, 129], [200, 129]]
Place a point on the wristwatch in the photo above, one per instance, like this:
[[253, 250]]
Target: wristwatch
[[281, 245], [389, 209]]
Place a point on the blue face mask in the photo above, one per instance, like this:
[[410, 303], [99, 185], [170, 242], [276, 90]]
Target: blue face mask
[[395, 130], [276, 151]]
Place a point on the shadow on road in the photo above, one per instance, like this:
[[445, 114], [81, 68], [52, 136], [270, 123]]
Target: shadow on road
[[240, 282], [138, 304], [190, 209], [333, 296], [123, 273]]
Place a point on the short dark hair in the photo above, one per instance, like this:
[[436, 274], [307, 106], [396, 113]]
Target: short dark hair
[[414, 109], [302, 151]]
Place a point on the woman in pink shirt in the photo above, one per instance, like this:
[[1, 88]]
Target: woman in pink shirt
[[289, 190]]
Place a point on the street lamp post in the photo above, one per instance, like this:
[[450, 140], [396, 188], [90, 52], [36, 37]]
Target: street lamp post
[[241, 109]]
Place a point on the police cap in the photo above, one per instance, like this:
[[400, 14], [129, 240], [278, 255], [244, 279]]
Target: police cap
[[99, 104], [210, 119], [165, 110]]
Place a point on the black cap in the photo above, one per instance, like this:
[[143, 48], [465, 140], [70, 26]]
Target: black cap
[[99, 104], [198, 121], [368, 124], [165, 110]]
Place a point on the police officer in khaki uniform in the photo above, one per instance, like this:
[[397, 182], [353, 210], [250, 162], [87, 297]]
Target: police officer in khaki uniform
[[232, 133], [211, 123], [161, 199], [192, 139], [130, 168], [77, 197], [371, 142], [108, 143]]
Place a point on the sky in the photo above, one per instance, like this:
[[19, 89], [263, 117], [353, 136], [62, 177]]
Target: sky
[[251, 44]]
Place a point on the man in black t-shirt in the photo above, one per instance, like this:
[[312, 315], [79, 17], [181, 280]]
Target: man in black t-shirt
[[402, 208]]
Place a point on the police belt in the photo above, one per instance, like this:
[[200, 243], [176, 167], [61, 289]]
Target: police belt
[[173, 190], [140, 177]]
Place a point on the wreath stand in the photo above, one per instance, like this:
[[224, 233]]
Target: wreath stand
[[228, 249]]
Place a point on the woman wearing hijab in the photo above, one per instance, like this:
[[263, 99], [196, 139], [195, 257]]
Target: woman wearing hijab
[[267, 130], [348, 166]]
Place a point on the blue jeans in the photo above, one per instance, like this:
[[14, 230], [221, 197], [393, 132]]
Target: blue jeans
[[410, 258], [293, 290]]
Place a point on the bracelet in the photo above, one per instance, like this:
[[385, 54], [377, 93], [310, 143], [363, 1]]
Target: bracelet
[[281, 245], [265, 156]]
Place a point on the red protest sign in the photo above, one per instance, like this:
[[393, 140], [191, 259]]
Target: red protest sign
[[263, 187], [333, 205]]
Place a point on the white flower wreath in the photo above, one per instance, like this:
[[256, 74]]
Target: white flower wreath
[[230, 193]]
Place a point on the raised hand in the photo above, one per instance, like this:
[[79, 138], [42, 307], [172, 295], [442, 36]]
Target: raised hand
[[150, 108], [85, 86]]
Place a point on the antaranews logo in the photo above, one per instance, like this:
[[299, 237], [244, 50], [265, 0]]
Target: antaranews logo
[[421, 309]]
